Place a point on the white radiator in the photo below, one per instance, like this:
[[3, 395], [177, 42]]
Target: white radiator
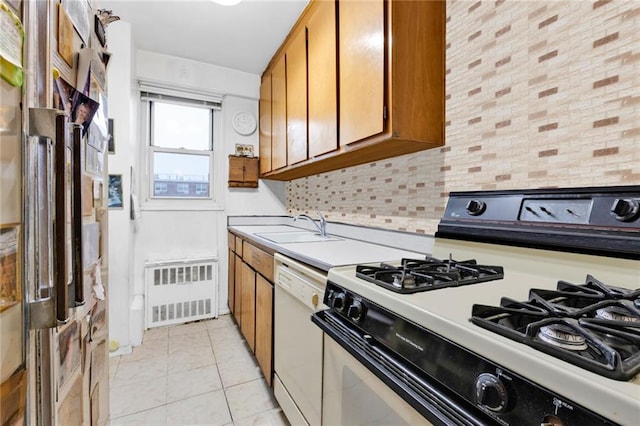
[[181, 291]]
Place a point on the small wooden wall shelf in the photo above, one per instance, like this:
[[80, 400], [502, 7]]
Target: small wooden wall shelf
[[243, 172]]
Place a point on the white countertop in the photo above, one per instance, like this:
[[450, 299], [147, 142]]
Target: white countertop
[[326, 254]]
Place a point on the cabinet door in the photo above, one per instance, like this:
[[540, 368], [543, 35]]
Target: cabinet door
[[237, 311], [264, 326], [236, 169], [279, 115], [251, 170], [296, 64], [248, 323], [265, 124], [231, 283], [323, 92], [362, 69]]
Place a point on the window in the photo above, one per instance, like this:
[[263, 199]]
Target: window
[[159, 188], [202, 188], [181, 162], [182, 188], [181, 146]]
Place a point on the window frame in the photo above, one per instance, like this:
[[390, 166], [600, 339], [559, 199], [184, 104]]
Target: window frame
[[147, 151]]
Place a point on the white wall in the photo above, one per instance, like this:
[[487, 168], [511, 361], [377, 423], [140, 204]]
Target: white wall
[[121, 110], [168, 235]]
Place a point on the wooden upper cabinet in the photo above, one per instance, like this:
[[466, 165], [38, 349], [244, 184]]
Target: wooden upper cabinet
[[322, 80], [296, 58], [243, 172], [278, 114], [265, 124], [389, 77], [362, 69]]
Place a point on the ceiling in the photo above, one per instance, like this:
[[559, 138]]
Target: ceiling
[[243, 37]]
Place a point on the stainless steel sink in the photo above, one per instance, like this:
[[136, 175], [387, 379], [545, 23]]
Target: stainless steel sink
[[284, 237]]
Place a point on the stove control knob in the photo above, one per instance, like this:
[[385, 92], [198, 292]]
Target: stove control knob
[[491, 393], [356, 310], [338, 301], [476, 207], [625, 210]]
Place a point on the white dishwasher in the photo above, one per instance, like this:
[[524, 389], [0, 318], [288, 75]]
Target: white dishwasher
[[299, 291]]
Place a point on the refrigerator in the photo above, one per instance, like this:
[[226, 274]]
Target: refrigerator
[[53, 217]]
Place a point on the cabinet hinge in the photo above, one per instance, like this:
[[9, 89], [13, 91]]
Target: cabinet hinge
[[384, 112]]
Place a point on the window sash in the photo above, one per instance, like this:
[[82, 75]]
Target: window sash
[[196, 194]]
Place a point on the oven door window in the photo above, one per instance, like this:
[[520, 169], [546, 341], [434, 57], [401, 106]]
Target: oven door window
[[353, 395]]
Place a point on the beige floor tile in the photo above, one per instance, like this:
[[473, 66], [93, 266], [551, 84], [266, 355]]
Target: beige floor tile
[[114, 361], [157, 333], [152, 349], [130, 398], [220, 322], [273, 417], [141, 370], [188, 359], [243, 368], [206, 409], [153, 417], [231, 351], [182, 329], [224, 335], [248, 399], [196, 339], [193, 382]]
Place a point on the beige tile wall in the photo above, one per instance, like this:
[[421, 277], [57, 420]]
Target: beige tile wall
[[539, 94]]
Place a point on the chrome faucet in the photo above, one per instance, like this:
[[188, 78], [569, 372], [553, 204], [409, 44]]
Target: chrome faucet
[[322, 226]]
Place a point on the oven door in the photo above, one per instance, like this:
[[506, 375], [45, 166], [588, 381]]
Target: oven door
[[352, 395], [365, 383]]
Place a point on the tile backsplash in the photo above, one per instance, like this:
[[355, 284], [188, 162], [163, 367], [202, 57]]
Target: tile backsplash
[[539, 94]]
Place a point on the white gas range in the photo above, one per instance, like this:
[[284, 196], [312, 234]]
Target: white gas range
[[528, 357]]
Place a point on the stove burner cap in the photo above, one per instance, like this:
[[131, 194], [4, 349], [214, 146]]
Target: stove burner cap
[[562, 336], [615, 313], [404, 281]]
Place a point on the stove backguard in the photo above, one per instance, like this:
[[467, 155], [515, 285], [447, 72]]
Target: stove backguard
[[599, 220]]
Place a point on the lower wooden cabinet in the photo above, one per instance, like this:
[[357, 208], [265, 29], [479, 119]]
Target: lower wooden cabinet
[[237, 285], [231, 282], [264, 326], [251, 299], [248, 321]]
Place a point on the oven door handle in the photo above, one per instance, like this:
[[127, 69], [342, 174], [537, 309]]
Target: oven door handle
[[426, 398]]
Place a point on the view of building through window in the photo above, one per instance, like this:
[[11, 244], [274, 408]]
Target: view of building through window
[[181, 141]]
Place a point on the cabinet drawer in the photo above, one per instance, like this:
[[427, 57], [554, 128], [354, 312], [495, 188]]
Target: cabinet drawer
[[239, 246], [259, 260], [231, 241]]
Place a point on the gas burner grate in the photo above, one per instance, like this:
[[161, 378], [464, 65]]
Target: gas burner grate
[[592, 325], [415, 275]]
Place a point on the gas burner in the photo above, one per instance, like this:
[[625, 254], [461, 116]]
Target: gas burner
[[404, 280], [414, 275], [594, 326], [616, 313], [562, 336]]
